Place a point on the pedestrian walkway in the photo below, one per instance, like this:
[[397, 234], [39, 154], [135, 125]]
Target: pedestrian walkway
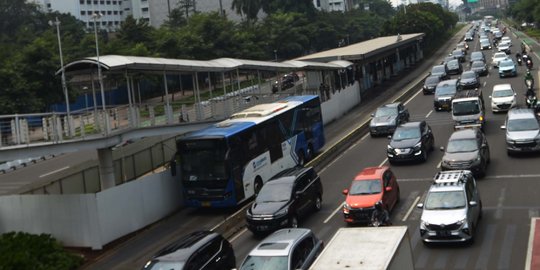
[[533, 252]]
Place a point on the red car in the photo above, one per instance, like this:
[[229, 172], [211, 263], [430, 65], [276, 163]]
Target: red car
[[371, 185]]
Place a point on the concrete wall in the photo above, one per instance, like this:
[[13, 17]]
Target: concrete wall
[[341, 102], [93, 220]]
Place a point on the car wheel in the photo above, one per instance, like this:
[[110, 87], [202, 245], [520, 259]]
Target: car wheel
[[293, 221], [318, 203], [301, 158], [424, 155]]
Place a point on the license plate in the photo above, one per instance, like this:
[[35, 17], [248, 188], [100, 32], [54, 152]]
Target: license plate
[[443, 233], [262, 228], [205, 204], [445, 106]]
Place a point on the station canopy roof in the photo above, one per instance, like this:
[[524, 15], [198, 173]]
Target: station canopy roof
[[120, 63], [364, 49]]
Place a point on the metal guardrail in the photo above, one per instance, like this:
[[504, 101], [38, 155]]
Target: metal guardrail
[[38, 128]]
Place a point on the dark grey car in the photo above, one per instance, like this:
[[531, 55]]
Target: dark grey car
[[441, 71], [467, 149], [469, 80], [411, 141], [459, 55], [478, 56], [454, 67], [480, 68], [387, 118], [430, 83]]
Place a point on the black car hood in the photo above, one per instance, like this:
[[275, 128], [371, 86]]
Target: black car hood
[[461, 156], [467, 81], [267, 208], [408, 143], [384, 120]]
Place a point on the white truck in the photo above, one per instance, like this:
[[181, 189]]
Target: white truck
[[367, 248]]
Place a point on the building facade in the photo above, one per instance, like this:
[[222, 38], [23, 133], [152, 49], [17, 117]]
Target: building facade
[[333, 5]]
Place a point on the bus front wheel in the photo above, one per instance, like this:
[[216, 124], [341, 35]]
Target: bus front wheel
[[301, 158]]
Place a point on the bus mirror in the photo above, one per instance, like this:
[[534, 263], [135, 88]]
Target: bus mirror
[[172, 165]]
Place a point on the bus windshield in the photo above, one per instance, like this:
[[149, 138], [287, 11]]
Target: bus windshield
[[203, 159]]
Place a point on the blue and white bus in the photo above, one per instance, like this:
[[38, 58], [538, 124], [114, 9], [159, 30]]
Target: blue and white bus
[[227, 163]]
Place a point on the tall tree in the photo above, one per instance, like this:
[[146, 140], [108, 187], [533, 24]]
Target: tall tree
[[247, 8]]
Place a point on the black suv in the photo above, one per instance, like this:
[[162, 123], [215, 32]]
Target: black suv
[[467, 149], [411, 141], [197, 250], [291, 194]]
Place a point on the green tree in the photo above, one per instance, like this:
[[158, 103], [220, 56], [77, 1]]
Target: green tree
[[247, 8], [281, 6]]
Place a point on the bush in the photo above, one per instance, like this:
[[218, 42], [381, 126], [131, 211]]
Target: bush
[[20, 250]]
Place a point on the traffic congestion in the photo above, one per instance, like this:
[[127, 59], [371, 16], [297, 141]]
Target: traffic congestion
[[469, 203]]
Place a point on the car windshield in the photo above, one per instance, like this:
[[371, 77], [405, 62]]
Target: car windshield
[[402, 133], [164, 265], [442, 200], [462, 145], [468, 75], [265, 263], [476, 56], [522, 124], [477, 64], [275, 192], [365, 187], [499, 55], [457, 53], [445, 90], [484, 43], [386, 111], [503, 93], [465, 107], [432, 80], [506, 64], [453, 64], [437, 69]]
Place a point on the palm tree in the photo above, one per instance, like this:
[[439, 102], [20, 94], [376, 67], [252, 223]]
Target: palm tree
[[248, 8]]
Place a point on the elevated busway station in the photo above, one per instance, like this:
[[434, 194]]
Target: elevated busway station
[[348, 80]]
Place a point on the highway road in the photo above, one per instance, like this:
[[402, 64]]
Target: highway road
[[509, 191]]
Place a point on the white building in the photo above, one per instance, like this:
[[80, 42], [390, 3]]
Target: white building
[[333, 5], [113, 11], [155, 12]]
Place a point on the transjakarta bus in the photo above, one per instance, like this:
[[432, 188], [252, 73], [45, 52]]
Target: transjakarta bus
[[227, 163]]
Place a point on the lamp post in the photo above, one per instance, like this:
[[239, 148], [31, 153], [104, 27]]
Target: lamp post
[[97, 16], [64, 86]]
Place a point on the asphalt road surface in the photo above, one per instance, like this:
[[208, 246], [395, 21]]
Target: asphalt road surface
[[509, 192]]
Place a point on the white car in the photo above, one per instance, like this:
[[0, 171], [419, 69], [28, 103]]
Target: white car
[[498, 57], [503, 97], [506, 39]]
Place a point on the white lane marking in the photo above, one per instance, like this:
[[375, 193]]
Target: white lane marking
[[411, 98], [411, 209], [429, 113], [530, 245], [439, 165], [238, 235], [333, 213], [53, 172], [364, 137], [384, 161], [484, 84], [500, 201]]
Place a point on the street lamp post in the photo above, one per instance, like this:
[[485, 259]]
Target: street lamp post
[[97, 16], [64, 86]]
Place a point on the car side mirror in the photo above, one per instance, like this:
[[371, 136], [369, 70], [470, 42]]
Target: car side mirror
[[503, 127], [372, 115], [489, 96], [389, 137], [441, 148], [345, 191], [473, 203], [420, 205], [388, 189]]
